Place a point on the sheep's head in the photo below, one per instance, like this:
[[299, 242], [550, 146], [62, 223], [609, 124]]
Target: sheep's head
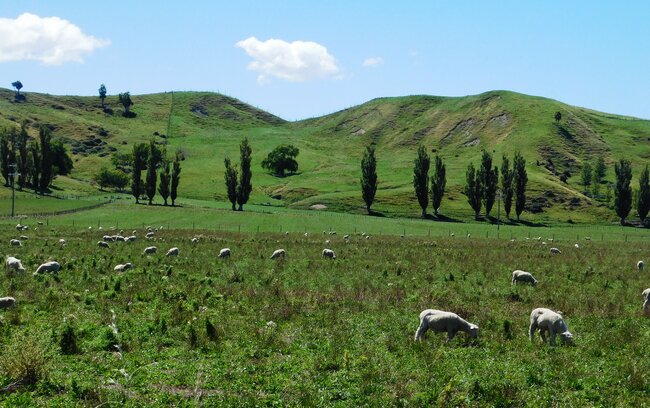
[[534, 283], [473, 330], [567, 338]]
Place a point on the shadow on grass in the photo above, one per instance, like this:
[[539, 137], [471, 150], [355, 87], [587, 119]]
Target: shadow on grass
[[442, 218], [374, 213]]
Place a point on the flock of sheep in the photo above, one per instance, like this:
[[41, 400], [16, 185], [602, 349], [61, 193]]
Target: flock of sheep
[[542, 319]]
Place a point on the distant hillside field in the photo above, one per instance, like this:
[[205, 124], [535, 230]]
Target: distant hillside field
[[208, 127]]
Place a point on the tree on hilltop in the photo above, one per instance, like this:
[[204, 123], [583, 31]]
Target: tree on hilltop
[[558, 117], [125, 100], [102, 93], [18, 86]]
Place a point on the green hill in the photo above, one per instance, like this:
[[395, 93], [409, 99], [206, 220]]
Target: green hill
[[208, 126]]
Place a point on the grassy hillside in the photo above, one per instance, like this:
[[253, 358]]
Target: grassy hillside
[[208, 126]]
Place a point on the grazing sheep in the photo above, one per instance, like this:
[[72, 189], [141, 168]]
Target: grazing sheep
[[24, 237], [15, 243], [577, 246], [306, 234], [51, 266], [40, 222], [224, 253], [640, 265], [132, 238], [646, 301], [173, 252], [523, 276], [278, 253], [150, 250], [195, 240], [439, 321], [328, 253], [7, 302], [19, 227], [346, 237], [555, 251], [120, 238], [150, 235], [547, 320], [108, 238], [62, 242], [103, 244], [123, 267], [14, 264]]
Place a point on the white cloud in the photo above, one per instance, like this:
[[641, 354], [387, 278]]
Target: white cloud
[[297, 61], [373, 61], [51, 40]]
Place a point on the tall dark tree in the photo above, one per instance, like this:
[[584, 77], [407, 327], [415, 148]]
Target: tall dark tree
[[45, 138], [244, 187], [600, 170], [18, 86], [438, 184], [520, 179], [125, 100], [489, 178], [35, 170], [230, 178], [140, 156], [369, 177], [507, 175], [60, 160], [155, 157], [176, 177], [421, 179], [102, 93], [165, 179], [643, 201], [623, 191], [23, 156], [473, 189], [585, 175], [5, 159], [558, 117]]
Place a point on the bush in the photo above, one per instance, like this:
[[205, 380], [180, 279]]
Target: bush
[[68, 340], [281, 160], [24, 360]]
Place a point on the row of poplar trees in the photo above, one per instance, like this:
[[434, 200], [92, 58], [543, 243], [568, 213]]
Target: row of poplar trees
[[482, 185], [623, 195], [151, 158], [238, 184], [35, 161]]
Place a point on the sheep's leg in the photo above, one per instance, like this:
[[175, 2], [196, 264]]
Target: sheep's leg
[[531, 330], [450, 335], [646, 306], [513, 281], [542, 334], [421, 330], [552, 332]]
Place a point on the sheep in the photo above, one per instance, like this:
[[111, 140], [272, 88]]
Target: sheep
[[440, 321], [123, 267], [173, 252], [150, 250], [278, 253], [577, 246], [14, 264], [640, 265], [346, 237], [306, 234], [195, 240], [224, 253], [120, 238], [24, 237], [7, 302], [132, 238], [108, 238], [51, 266], [523, 276], [62, 242], [149, 235], [15, 243], [646, 301], [555, 251], [103, 244], [328, 253], [547, 320]]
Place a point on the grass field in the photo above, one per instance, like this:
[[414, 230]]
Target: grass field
[[249, 331]]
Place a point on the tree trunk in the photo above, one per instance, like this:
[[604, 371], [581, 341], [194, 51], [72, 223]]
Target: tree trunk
[[173, 203], [622, 221], [424, 213], [150, 201], [233, 207], [241, 207], [165, 202]]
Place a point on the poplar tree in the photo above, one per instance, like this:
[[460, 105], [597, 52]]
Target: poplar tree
[[230, 178], [489, 178], [473, 189], [165, 178], [140, 155], [244, 187], [438, 183], [369, 177], [643, 202], [421, 179], [507, 175], [520, 179], [176, 177], [623, 191]]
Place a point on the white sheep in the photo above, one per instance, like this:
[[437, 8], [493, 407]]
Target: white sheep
[[132, 238], [51, 266], [195, 240], [440, 321], [150, 250], [7, 302], [14, 264], [24, 237], [120, 238], [646, 301], [523, 276], [108, 238], [15, 243], [346, 237], [224, 253], [547, 320], [278, 253], [555, 251], [150, 235], [577, 246], [640, 265], [123, 267], [62, 242], [328, 253], [103, 244], [173, 252]]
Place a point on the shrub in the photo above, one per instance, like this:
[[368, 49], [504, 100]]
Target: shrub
[[24, 359]]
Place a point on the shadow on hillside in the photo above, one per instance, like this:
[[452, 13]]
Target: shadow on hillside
[[442, 218], [374, 213]]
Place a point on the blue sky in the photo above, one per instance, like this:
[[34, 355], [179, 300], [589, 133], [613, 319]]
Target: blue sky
[[584, 53]]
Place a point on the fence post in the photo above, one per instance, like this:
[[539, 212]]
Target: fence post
[[239, 228]]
